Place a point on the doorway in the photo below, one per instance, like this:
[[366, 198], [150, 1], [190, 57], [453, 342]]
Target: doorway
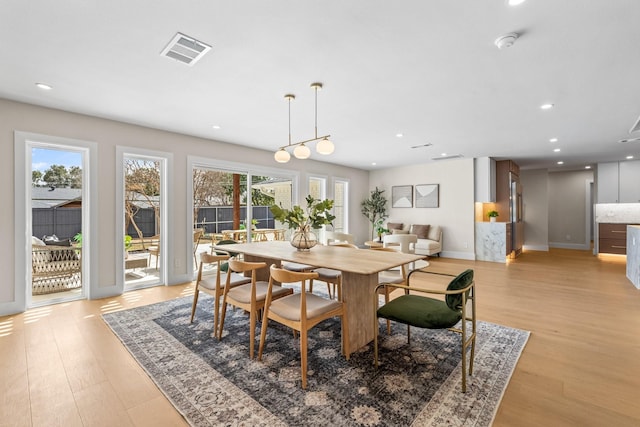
[[54, 213], [143, 239]]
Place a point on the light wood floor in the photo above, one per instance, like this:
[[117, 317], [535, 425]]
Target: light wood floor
[[61, 365]]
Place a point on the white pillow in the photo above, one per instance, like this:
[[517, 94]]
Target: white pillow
[[36, 241]]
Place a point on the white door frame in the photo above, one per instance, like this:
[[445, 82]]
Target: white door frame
[[23, 143], [166, 248]]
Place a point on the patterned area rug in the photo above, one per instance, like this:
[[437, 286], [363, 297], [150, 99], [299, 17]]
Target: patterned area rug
[[214, 382]]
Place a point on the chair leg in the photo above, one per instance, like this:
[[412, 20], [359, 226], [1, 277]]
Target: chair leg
[[464, 364], [386, 301], [252, 332], [263, 334], [216, 314], [303, 356], [195, 302], [222, 316]]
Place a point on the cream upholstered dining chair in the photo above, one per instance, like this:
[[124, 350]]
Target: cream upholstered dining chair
[[389, 279], [249, 297], [301, 312], [332, 277], [419, 310], [215, 282], [334, 237]]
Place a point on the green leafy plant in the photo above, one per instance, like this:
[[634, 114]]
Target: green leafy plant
[[316, 214], [379, 228], [375, 208], [492, 214]]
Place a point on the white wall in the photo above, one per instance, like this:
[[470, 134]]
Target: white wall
[[456, 212], [535, 209], [568, 197], [108, 134]]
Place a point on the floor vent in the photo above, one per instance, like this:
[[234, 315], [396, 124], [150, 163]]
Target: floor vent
[[185, 49]]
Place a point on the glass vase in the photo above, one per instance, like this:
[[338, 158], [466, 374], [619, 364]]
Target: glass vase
[[303, 239]]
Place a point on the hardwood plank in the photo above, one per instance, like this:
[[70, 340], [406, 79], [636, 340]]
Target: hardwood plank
[[580, 367]]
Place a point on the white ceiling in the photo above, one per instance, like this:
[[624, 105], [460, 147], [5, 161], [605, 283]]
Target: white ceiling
[[425, 68]]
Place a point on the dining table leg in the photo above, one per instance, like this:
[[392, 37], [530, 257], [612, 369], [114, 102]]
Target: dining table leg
[[358, 291]]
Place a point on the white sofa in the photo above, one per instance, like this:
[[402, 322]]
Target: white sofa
[[426, 244]]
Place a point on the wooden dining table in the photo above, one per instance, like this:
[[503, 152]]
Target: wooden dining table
[[359, 267]]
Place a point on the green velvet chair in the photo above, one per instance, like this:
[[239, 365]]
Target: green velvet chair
[[430, 313]]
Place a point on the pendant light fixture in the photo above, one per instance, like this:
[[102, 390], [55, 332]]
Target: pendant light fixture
[[300, 149]]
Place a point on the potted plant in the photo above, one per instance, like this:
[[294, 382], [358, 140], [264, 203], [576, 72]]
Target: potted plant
[[316, 214], [375, 209], [492, 215], [380, 229]]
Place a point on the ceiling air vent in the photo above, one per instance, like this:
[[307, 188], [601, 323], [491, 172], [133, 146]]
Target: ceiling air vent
[[636, 127], [453, 156], [185, 49], [428, 144]]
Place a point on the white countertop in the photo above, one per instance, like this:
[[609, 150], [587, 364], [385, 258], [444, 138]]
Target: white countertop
[[625, 213]]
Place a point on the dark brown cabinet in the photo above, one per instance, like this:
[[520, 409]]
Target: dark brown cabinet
[[509, 204], [612, 238]]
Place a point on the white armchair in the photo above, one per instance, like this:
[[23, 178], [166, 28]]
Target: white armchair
[[406, 242]]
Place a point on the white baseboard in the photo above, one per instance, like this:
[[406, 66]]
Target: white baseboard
[[471, 256], [578, 246], [543, 248]]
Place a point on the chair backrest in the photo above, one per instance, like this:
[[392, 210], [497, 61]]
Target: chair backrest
[[461, 281], [206, 258], [335, 236], [403, 268], [227, 242], [345, 245], [286, 276], [404, 240], [242, 266]]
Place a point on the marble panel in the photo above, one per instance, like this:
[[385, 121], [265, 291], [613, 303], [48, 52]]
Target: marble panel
[[491, 241], [626, 213]]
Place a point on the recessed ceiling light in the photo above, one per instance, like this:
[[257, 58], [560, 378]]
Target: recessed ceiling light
[[546, 106], [373, 164], [216, 127], [514, 2], [556, 150], [561, 162], [399, 135], [587, 167], [629, 157], [443, 154], [553, 140], [44, 86]]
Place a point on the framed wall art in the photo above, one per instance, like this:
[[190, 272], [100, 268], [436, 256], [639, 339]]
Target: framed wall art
[[427, 195], [402, 196]]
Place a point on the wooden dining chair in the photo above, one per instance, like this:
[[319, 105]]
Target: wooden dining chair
[[249, 297], [301, 312], [332, 277], [215, 282]]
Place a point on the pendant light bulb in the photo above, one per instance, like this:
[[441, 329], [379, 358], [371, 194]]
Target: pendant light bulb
[[282, 156], [301, 152], [325, 146]]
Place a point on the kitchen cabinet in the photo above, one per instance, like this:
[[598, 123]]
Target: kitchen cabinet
[[485, 180], [617, 182], [509, 203], [629, 187], [612, 238]]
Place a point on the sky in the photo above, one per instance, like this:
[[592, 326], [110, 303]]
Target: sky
[[42, 159]]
